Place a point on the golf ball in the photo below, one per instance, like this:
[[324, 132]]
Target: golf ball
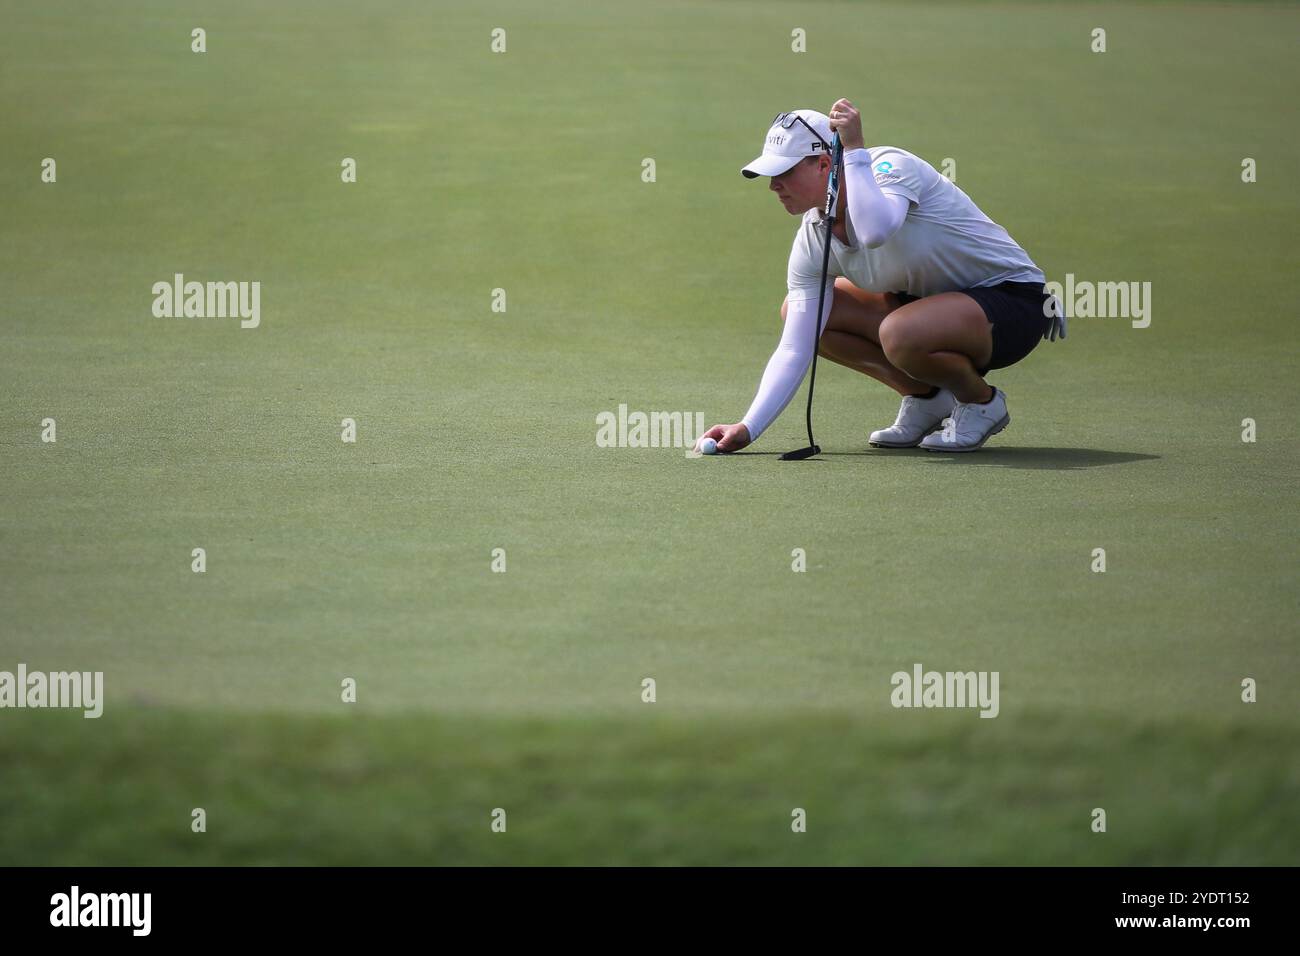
[[708, 446]]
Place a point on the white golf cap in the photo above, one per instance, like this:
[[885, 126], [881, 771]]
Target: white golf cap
[[789, 141]]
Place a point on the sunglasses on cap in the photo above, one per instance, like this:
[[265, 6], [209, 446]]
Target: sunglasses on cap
[[781, 118]]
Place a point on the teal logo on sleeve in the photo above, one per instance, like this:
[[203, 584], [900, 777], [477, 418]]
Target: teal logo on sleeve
[[884, 166]]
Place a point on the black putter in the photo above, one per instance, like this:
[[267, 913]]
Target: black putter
[[832, 194]]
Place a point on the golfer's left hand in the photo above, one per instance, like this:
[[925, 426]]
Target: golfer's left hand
[[1056, 322], [847, 121], [729, 437]]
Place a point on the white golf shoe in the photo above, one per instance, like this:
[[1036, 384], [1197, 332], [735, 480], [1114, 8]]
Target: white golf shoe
[[917, 417], [970, 425]]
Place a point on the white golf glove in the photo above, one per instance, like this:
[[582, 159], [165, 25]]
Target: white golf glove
[[1056, 327]]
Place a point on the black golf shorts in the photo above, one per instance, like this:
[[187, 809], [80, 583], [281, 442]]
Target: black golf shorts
[[1017, 312]]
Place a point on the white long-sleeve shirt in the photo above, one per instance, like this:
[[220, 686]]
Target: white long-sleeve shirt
[[911, 230]]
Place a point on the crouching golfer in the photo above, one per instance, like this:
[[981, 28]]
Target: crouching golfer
[[931, 294]]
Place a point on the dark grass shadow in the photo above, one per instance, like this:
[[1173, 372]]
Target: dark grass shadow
[[1051, 459]]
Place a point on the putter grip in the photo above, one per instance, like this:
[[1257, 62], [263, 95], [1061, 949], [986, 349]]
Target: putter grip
[[833, 181]]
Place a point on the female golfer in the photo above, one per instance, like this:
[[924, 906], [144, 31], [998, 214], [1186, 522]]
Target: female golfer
[[924, 292]]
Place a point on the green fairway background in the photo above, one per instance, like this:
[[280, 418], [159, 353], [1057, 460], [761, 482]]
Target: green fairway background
[[477, 431]]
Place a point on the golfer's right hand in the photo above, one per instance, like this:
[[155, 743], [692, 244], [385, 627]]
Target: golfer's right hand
[[729, 437]]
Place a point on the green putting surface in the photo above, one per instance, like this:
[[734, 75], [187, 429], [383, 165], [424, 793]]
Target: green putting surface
[[476, 430]]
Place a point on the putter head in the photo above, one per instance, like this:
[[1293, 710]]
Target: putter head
[[801, 454]]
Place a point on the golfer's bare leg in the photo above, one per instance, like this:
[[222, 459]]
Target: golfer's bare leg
[[941, 339], [852, 336]]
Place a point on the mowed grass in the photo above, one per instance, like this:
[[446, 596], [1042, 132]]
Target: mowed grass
[[422, 790], [522, 690]]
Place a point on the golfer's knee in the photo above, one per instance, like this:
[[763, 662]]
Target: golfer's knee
[[904, 348], [785, 306], [897, 340]]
